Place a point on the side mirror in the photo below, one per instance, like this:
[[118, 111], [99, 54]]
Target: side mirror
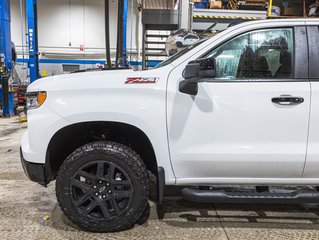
[[207, 68], [188, 86], [195, 72], [192, 70]]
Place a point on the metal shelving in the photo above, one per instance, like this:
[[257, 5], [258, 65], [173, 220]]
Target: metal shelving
[[204, 18], [157, 25]]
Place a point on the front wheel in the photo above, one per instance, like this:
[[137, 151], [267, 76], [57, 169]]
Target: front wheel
[[103, 187]]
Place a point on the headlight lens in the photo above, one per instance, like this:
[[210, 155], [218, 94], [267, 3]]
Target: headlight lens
[[35, 99]]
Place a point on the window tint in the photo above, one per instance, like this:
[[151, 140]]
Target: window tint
[[263, 54]]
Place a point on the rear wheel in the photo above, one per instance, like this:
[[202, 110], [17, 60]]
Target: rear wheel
[[103, 187]]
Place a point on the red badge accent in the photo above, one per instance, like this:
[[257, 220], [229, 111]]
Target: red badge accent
[[133, 80]]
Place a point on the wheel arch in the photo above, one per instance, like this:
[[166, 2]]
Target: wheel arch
[[73, 136]]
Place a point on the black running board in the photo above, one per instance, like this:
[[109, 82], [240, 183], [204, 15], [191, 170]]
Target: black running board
[[221, 196]]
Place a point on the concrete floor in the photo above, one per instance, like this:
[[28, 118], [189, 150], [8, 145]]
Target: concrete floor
[[24, 203]]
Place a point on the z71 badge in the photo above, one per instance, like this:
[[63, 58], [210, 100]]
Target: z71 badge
[[133, 80]]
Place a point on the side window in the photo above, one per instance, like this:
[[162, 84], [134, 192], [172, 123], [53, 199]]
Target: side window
[[313, 36], [191, 37], [262, 54]]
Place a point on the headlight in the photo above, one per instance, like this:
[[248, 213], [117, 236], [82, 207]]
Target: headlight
[[35, 99]]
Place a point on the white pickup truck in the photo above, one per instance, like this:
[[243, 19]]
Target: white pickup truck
[[239, 109]]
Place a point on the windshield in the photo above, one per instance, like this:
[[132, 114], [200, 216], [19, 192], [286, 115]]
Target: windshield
[[179, 54]]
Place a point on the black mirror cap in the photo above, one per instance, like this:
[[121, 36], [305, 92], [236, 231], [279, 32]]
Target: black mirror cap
[[207, 73], [207, 68], [207, 63], [191, 70], [188, 87], [194, 71]]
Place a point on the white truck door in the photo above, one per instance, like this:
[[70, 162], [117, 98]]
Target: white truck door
[[251, 120], [312, 161]]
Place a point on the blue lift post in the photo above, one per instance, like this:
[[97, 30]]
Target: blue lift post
[[6, 65], [31, 9], [125, 14]]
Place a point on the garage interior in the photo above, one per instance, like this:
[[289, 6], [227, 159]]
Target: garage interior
[[47, 38]]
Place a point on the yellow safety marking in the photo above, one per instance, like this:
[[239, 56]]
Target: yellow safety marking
[[225, 17], [270, 8], [23, 119]]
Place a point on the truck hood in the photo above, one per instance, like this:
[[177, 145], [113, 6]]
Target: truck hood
[[85, 80]]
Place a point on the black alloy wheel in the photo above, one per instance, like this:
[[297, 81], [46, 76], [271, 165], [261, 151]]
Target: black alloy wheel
[[101, 190], [103, 187]]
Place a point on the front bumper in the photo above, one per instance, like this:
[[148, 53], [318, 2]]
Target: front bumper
[[34, 171]]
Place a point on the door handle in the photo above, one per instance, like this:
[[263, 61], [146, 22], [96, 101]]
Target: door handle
[[287, 100]]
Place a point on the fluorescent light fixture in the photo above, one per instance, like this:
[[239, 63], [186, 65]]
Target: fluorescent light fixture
[[226, 56]]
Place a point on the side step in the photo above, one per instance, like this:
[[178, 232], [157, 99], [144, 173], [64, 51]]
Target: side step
[[221, 196]]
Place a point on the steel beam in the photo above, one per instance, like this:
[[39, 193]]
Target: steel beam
[[185, 15]]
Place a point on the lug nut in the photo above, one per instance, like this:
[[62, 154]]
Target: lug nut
[[107, 184], [100, 182], [96, 194], [104, 196], [94, 187], [110, 191]]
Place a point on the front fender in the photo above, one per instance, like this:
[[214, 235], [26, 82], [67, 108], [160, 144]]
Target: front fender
[[155, 131]]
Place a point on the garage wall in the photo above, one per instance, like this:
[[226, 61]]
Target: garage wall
[[64, 25], [15, 21]]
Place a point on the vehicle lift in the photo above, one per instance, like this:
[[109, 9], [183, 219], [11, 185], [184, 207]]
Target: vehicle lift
[[33, 63], [6, 63]]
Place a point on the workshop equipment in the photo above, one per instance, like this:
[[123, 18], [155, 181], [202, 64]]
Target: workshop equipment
[[6, 63]]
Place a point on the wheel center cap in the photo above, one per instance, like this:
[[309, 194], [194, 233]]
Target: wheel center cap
[[102, 189]]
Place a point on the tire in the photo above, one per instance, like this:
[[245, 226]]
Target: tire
[[179, 44], [103, 187]]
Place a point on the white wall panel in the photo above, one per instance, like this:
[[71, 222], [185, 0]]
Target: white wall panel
[[79, 22], [16, 23], [77, 19], [53, 23], [94, 23]]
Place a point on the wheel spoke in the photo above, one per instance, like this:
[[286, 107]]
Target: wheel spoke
[[121, 183], [104, 210], [84, 174], [90, 207], [115, 207], [81, 200], [100, 169], [110, 173], [122, 194], [81, 185]]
